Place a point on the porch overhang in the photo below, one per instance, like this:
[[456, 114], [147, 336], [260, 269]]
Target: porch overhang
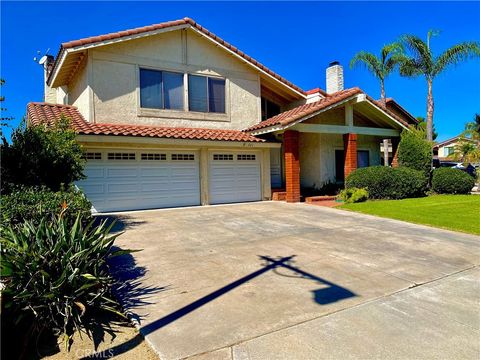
[[345, 129], [388, 126]]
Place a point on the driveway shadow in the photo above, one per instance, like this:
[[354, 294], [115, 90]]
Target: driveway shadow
[[328, 293]]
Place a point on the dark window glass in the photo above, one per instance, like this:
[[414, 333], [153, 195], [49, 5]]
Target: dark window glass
[[173, 90], [151, 89], [216, 95], [272, 109], [269, 109], [197, 93], [339, 166], [363, 159]]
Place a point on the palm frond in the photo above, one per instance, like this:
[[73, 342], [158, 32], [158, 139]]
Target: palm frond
[[455, 55], [419, 52], [410, 67], [369, 61]]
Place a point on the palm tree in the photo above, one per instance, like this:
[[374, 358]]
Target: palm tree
[[421, 61], [381, 66]]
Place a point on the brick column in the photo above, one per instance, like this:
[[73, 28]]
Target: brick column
[[350, 153], [292, 165], [395, 142]]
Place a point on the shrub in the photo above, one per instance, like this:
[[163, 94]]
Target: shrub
[[415, 151], [36, 203], [328, 188], [451, 181], [56, 273], [383, 182], [354, 195], [41, 156]]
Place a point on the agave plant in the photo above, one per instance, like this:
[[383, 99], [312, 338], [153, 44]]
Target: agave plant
[[55, 273]]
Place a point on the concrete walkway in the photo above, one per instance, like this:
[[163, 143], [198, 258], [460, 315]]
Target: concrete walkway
[[291, 281]]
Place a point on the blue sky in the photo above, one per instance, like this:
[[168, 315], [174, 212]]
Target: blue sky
[[295, 39]]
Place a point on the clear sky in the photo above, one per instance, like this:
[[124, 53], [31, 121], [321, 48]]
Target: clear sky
[[295, 39]]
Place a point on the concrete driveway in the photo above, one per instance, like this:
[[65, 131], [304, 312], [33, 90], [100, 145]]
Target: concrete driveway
[[273, 280]]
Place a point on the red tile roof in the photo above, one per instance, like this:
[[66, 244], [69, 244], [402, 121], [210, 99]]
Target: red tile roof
[[184, 21], [290, 116], [44, 113]]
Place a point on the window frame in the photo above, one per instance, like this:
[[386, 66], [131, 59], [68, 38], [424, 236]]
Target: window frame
[[163, 108], [208, 94]]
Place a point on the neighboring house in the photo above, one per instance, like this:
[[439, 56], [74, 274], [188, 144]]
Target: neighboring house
[[445, 149], [172, 115]]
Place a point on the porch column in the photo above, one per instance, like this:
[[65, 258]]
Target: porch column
[[350, 153], [395, 142], [292, 165]]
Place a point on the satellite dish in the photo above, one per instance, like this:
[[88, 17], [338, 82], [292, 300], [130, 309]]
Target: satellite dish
[[43, 59]]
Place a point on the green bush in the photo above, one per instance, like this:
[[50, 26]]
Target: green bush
[[56, 273], [40, 156], [353, 195], [451, 181], [415, 152], [36, 203], [384, 182]]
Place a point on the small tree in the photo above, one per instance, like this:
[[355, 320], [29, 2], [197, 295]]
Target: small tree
[[4, 120], [42, 156], [422, 125], [414, 151]]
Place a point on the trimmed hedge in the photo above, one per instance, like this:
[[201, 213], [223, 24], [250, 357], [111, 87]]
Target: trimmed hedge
[[415, 152], [35, 203], [384, 182], [452, 181]]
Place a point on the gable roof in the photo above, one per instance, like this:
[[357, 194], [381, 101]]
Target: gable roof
[[391, 102], [451, 140], [39, 113], [93, 41], [304, 111]]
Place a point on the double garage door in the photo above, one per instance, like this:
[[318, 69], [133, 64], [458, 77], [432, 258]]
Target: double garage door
[[132, 180]]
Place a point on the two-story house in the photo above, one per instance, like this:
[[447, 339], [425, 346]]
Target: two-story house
[[172, 115]]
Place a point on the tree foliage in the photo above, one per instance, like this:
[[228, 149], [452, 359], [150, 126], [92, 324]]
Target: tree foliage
[[419, 60], [415, 151], [380, 66], [41, 156], [422, 125], [4, 120]]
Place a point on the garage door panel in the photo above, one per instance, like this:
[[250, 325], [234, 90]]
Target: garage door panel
[[123, 172], [159, 172], [144, 182], [94, 172], [236, 179]]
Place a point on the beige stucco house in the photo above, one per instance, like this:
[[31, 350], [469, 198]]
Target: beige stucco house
[[172, 115]]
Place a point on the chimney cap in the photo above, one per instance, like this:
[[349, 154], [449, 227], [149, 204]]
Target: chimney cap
[[333, 63]]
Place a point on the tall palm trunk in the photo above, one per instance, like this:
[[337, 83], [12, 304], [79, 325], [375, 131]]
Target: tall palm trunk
[[382, 93], [430, 109]]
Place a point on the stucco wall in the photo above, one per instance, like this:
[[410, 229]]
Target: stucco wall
[[317, 156], [78, 90], [114, 81]]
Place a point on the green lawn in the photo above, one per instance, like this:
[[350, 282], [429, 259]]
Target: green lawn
[[452, 212]]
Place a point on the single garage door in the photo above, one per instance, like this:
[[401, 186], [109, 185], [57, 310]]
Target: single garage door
[[234, 177], [132, 180]]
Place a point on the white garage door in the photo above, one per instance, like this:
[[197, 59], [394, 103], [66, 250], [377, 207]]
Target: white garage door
[[234, 177], [132, 180]]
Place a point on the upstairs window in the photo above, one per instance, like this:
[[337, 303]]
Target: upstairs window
[[161, 89], [206, 94], [269, 109]]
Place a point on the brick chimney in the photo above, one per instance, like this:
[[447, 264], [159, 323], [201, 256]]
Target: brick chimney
[[334, 77], [49, 94]]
